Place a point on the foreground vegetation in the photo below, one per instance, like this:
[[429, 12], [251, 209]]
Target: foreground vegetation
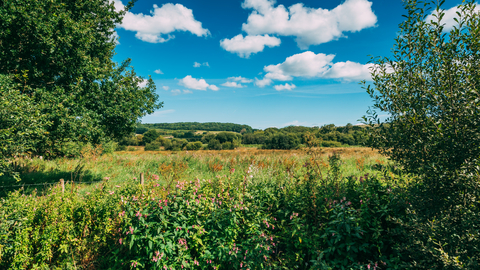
[[241, 209]]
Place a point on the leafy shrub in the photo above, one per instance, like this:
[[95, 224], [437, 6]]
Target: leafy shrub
[[194, 146], [154, 146], [175, 144], [214, 144], [121, 147], [282, 141]]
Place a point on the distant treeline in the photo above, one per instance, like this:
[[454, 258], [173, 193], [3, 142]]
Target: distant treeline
[[210, 126], [290, 137]]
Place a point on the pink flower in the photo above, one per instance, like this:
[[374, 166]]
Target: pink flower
[[120, 241]]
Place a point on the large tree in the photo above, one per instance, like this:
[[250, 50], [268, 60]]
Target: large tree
[[430, 90], [57, 54]]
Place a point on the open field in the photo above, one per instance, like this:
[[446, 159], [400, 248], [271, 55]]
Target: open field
[[125, 166], [328, 208]]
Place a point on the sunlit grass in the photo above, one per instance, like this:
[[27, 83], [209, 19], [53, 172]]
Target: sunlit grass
[[126, 166]]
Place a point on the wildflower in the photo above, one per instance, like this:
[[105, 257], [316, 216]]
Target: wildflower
[[111, 192], [120, 241], [106, 178]]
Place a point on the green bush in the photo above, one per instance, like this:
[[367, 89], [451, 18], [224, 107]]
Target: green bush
[[282, 141], [331, 144], [154, 146], [121, 147], [194, 146]]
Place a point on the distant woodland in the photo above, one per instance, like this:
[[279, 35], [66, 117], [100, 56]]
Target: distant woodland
[[218, 136]]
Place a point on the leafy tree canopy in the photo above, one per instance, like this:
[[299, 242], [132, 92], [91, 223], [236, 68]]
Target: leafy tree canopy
[[430, 90], [57, 56]]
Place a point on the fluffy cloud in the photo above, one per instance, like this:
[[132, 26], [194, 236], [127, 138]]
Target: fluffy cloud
[[158, 71], [240, 79], [233, 84], [306, 64], [349, 71], [262, 83], [165, 88], [195, 84], [162, 21], [449, 18], [311, 65], [308, 25], [196, 64], [245, 46], [287, 86]]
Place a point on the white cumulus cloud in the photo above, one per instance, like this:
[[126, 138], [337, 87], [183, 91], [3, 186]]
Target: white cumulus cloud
[[245, 46], [158, 71], [197, 84], [306, 64], [308, 25], [240, 79], [349, 71], [165, 88], [311, 65], [196, 64], [286, 86], [233, 84], [156, 27], [263, 82]]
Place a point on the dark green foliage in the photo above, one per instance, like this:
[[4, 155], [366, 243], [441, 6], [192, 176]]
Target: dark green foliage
[[258, 137], [429, 88], [59, 56], [128, 140], [210, 126], [331, 144], [141, 130], [175, 144], [154, 146], [282, 141], [222, 140], [21, 122], [214, 144], [150, 136], [194, 146]]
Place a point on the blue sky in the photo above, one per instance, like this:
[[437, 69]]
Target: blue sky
[[263, 63]]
